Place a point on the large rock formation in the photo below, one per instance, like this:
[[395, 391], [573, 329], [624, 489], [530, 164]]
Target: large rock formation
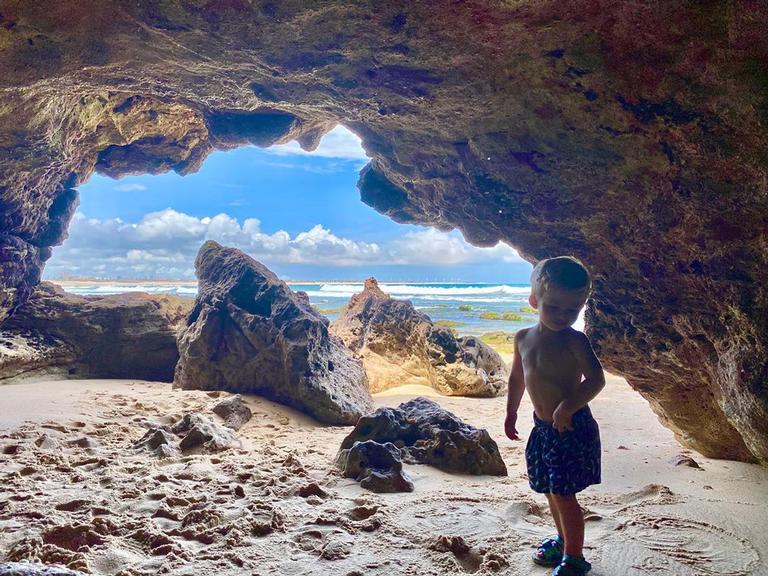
[[629, 134], [400, 345], [129, 335], [249, 333]]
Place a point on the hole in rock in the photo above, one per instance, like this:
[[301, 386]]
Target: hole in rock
[[300, 214]]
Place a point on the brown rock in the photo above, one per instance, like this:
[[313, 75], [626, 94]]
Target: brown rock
[[629, 134], [250, 333], [233, 411], [376, 466], [400, 345], [122, 336]]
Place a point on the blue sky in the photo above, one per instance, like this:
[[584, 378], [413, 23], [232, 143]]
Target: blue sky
[[300, 213]]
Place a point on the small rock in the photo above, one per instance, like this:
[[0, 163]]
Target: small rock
[[376, 466], [683, 460], [233, 411], [33, 569], [203, 433]]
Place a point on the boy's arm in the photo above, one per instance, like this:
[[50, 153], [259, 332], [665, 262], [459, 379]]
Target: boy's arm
[[514, 392], [594, 378]]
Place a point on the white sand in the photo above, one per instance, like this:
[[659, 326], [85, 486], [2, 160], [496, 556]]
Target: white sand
[[84, 497]]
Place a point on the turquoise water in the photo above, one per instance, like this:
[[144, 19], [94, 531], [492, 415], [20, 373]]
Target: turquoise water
[[438, 301]]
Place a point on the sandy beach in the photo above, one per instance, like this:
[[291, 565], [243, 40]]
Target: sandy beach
[[75, 492]]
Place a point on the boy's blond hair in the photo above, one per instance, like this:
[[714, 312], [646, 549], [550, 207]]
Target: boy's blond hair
[[564, 272]]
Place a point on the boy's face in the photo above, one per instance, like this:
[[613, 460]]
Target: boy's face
[[558, 308]]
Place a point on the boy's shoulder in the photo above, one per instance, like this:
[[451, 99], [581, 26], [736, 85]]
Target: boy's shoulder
[[522, 333]]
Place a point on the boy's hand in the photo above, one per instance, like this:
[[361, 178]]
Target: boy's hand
[[561, 418], [509, 427]]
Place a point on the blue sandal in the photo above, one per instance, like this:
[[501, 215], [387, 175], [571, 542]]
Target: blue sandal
[[572, 566], [550, 552]]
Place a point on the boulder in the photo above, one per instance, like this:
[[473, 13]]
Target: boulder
[[233, 411], [249, 333], [425, 433], [400, 345], [376, 466], [130, 335]]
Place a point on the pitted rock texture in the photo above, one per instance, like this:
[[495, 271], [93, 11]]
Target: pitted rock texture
[[34, 569], [400, 345], [249, 333], [233, 411], [425, 433], [629, 134], [376, 466], [129, 335]]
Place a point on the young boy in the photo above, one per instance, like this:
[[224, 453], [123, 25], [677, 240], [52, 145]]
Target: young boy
[[563, 451]]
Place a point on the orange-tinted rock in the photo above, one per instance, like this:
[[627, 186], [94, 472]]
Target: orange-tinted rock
[[400, 345]]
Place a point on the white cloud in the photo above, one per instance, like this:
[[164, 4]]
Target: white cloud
[[338, 143], [164, 244], [130, 187]]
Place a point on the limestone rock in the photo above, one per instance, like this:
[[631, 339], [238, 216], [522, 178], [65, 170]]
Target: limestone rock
[[250, 333], [427, 434], [400, 345], [376, 466], [34, 569], [234, 412], [122, 336], [157, 441], [629, 134]]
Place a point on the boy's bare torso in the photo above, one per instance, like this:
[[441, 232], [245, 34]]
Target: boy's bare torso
[[551, 369]]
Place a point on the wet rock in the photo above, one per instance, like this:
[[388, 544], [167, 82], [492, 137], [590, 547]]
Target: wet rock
[[122, 336], [425, 433], [234, 412], [400, 345], [250, 333], [199, 432], [376, 466], [33, 569]]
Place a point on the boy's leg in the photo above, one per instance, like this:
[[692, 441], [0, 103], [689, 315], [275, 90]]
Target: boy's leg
[[572, 523], [556, 515]]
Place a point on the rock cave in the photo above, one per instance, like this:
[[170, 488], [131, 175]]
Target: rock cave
[[630, 135]]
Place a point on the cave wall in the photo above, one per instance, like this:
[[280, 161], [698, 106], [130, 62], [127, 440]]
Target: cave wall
[[631, 135]]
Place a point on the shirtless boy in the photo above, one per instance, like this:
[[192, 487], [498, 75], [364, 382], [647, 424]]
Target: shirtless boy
[[563, 451]]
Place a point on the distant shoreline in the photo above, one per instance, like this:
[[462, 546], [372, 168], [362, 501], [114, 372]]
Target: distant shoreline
[[120, 282]]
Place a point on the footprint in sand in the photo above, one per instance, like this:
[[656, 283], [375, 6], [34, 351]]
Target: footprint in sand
[[685, 547]]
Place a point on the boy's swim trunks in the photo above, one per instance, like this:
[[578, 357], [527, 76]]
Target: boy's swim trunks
[[564, 463]]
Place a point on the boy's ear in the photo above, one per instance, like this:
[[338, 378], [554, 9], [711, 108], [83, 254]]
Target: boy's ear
[[533, 301]]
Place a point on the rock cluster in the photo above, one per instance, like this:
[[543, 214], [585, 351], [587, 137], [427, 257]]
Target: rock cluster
[[425, 433], [123, 336], [629, 134], [400, 345], [249, 333]]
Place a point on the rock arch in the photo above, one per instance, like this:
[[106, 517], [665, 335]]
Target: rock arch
[[632, 135]]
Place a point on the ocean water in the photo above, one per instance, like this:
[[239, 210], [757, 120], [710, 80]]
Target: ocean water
[[470, 309]]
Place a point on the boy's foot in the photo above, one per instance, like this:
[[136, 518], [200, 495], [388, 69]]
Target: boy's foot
[[550, 552], [572, 566]]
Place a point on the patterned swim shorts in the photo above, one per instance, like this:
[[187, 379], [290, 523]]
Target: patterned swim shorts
[[564, 463]]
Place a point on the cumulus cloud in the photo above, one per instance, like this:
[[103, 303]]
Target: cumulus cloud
[[164, 245], [338, 143]]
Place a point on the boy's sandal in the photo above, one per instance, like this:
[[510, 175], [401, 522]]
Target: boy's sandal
[[549, 553], [572, 566]]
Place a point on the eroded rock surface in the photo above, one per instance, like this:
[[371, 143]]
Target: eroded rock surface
[[233, 411], [249, 333], [425, 433], [376, 466], [629, 134], [33, 569], [130, 335], [400, 345]]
